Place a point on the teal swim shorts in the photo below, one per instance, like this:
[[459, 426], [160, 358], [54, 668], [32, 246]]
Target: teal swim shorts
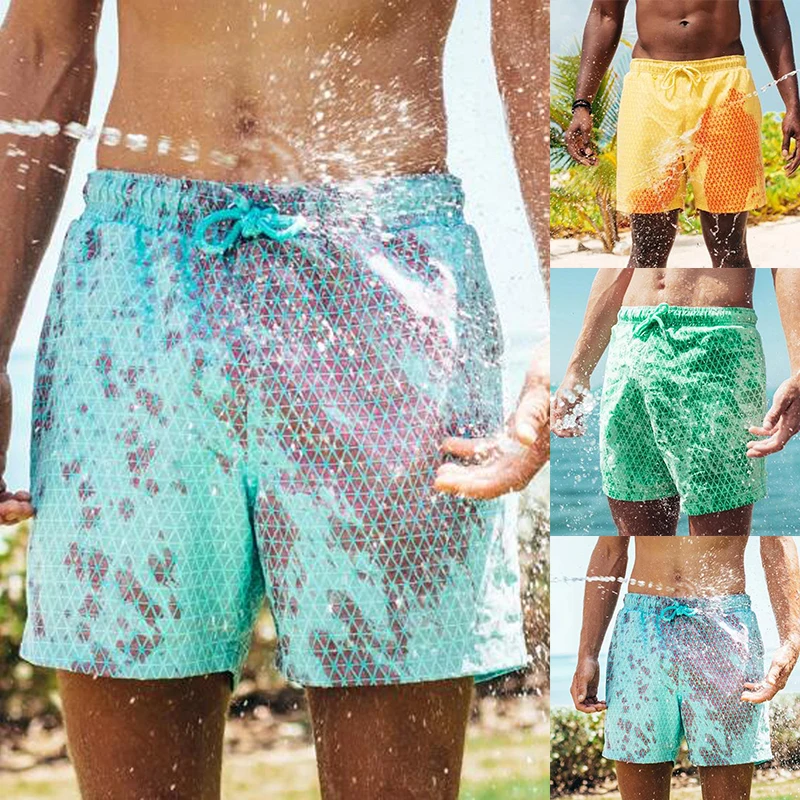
[[240, 393], [677, 668], [682, 388]]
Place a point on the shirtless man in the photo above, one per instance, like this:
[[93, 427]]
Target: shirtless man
[[686, 659], [684, 395], [264, 327], [689, 108]]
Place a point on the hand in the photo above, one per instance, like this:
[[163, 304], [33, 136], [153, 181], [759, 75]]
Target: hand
[[781, 422], [781, 668], [14, 507], [578, 138], [506, 463], [791, 130], [584, 686], [568, 408]]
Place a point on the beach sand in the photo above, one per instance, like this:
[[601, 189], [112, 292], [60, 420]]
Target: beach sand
[[771, 245]]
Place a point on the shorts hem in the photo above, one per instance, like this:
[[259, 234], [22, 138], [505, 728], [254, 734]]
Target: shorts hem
[[749, 207], [642, 497], [732, 762], [748, 500], [141, 672], [429, 677], [649, 759], [630, 212]]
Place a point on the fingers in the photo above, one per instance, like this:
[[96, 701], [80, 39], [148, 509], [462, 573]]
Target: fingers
[[477, 483], [468, 448], [757, 693], [14, 509], [532, 415], [591, 706], [766, 447], [792, 158]]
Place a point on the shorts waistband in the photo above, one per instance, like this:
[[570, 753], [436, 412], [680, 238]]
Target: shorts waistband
[[160, 201], [670, 607], [688, 315], [704, 66]]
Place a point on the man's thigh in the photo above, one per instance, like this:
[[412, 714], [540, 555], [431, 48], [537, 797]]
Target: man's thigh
[[725, 236], [391, 742], [652, 238], [141, 738], [647, 518], [726, 783]]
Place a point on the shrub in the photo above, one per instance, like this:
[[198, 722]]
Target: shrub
[[576, 752]]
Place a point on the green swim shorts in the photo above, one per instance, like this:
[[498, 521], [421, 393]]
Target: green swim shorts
[[682, 387]]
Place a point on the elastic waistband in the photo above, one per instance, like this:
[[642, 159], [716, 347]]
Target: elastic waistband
[[159, 201], [688, 315], [705, 66], [658, 604]]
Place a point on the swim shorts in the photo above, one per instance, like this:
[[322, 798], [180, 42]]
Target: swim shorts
[[677, 669], [682, 387], [695, 119], [240, 392]]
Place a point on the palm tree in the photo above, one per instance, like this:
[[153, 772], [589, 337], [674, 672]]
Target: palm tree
[[572, 183]]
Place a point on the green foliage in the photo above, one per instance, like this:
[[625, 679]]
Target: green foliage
[[25, 692], [576, 752], [581, 198]]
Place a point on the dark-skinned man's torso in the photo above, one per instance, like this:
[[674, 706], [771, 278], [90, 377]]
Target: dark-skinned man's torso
[[687, 30]]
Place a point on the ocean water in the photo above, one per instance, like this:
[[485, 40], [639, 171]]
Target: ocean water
[[579, 508]]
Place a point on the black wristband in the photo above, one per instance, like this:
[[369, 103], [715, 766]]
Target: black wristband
[[581, 103]]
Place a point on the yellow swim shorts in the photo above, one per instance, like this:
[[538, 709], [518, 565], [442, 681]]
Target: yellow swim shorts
[[700, 119]]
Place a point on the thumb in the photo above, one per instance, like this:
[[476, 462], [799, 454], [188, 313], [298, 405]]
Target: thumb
[[787, 144]]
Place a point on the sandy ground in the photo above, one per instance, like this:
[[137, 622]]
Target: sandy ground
[[771, 245]]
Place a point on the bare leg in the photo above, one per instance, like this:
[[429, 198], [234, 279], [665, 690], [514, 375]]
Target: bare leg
[[650, 518], [146, 739], [653, 236], [726, 783], [726, 239], [391, 742], [735, 522], [644, 781]]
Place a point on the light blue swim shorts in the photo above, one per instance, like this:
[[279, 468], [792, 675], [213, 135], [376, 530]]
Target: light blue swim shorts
[[240, 393], [677, 668]]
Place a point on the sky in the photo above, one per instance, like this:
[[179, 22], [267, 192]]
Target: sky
[[480, 154], [569, 16], [570, 290]]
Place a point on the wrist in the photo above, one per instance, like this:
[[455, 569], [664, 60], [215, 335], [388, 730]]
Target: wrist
[[577, 376]]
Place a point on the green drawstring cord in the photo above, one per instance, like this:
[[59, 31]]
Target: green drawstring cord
[[249, 221], [676, 610], [655, 317]]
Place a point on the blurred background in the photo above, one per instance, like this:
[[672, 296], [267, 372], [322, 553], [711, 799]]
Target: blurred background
[[269, 748], [577, 767]]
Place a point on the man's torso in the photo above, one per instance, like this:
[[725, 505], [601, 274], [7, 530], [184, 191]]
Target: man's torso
[[687, 30], [691, 287], [291, 91], [689, 566]]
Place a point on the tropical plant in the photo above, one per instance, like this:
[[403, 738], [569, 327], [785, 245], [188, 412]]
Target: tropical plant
[[572, 184]]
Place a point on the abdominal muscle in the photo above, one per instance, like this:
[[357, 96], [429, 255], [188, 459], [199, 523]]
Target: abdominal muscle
[[691, 287], [289, 92], [687, 566]]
